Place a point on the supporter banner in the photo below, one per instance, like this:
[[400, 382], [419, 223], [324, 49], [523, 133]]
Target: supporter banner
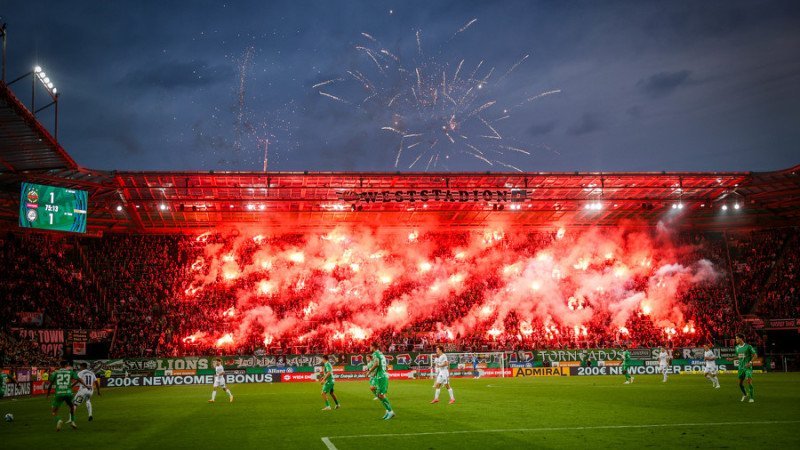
[[50, 342], [186, 380], [18, 389], [781, 324], [30, 318], [543, 372]]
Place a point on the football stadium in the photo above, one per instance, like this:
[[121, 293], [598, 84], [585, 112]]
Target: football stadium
[[423, 308]]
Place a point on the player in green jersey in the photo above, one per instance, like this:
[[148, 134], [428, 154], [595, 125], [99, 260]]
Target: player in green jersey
[[327, 384], [627, 363], [745, 353], [63, 378], [376, 369]]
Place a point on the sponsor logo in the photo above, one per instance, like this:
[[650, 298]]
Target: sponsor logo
[[542, 372], [184, 380], [17, 389]]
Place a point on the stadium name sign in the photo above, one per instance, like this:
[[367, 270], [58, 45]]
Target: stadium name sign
[[437, 195]]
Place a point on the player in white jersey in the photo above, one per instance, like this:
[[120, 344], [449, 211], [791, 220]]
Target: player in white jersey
[[710, 369], [663, 362], [442, 375], [219, 381], [88, 388]]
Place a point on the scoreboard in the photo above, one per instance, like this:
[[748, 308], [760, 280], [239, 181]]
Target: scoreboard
[[52, 208]]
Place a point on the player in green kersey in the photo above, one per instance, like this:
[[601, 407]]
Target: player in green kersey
[[327, 384], [626, 364], [62, 378], [745, 353], [379, 383]]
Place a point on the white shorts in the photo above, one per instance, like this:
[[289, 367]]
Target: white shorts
[[710, 370], [219, 382], [663, 367], [443, 378], [83, 395]]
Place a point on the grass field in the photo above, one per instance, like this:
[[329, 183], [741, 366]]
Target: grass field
[[489, 413]]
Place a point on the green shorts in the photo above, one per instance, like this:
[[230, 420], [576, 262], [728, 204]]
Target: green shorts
[[61, 398], [381, 384], [745, 373], [327, 388]]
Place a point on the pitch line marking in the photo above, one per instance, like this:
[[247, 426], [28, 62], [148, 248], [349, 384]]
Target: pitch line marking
[[327, 440]]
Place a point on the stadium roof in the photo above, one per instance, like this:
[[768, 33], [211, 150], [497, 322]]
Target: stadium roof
[[163, 202]]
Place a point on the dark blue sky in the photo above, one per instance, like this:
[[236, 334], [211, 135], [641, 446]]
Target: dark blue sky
[[643, 85]]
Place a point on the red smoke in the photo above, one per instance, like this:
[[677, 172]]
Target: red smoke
[[352, 283]]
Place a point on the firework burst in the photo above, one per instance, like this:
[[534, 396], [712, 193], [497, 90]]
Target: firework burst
[[437, 107]]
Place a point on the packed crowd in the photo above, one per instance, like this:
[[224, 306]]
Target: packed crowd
[[140, 286]]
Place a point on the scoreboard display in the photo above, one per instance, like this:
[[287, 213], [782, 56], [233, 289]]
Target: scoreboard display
[[52, 208]]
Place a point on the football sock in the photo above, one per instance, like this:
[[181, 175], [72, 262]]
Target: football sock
[[327, 403], [741, 387], [436, 395], [213, 395], [751, 389], [386, 404], [450, 391], [715, 380], [627, 376], [230, 394], [89, 407]]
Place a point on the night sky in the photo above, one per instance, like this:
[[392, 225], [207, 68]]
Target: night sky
[[634, 85]]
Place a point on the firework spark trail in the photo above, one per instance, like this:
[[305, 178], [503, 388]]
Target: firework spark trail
[[479, 157], [464, 28], [243, 68], [334, 97], [393, 99], [399, 151], [366, 35], [372, 57], [509, 166], [496, 134], [477, 150], [458, 70], [486, 105], [513, 67], [390, 54], [417, 159], [419, 43], [392, 129], [323, 83], [515, 149], [536, 97], [472, 76]]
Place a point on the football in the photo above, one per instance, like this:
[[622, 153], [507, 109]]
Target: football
[[9, 417]]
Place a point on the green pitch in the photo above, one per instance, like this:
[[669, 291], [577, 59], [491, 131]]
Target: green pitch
[[569, 412]]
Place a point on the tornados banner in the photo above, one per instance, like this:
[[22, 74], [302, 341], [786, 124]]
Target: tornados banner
[[52, 208]]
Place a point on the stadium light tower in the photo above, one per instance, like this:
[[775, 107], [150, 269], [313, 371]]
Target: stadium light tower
[[36, 74]]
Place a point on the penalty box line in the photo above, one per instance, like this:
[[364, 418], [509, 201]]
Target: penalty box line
[[327, 440]]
